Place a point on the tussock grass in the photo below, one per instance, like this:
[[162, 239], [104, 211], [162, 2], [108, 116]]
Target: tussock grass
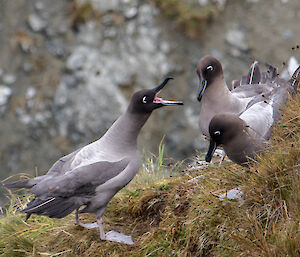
[[192, 20], [177, 216]]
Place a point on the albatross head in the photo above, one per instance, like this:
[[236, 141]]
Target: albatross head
[[208, 69], [223, 128], [147, 100]]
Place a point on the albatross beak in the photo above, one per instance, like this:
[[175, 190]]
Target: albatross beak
[[159, 100], [202, 87], [211, 150]]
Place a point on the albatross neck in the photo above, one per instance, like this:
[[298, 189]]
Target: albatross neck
[[125, 130], [218, 94]]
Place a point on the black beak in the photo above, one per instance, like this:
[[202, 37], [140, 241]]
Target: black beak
[[161, 86], [211, 150], [202, 87], [161, 101]]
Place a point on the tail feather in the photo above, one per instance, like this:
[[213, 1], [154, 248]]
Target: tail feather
[[254, 74], [24, 183], [272, 71], [295, 79], [51, 207]]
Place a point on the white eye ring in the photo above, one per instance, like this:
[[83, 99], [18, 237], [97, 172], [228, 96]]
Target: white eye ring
[[210, 67], [217, 133], [144, 100]]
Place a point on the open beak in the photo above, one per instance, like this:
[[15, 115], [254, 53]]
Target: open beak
[[159, 100], [202, 87], [211, 150]]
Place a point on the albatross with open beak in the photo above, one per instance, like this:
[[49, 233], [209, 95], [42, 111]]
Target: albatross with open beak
[[92, 175]]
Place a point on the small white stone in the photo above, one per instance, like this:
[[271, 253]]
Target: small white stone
[[36, 23], [5, 93], [30, 93], [130, 12], [232, 194], [9, 79], [237, 39]]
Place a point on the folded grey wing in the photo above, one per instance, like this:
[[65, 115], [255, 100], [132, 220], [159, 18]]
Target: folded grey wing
[[63, 164], [81, 180], [58, 168], [245, 91], [58, 196]]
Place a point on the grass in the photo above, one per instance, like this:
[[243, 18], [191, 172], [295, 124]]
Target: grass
[[192, 20], [183, 15], [174, 216]]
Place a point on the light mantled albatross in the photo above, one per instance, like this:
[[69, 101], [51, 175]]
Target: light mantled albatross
[[92, 175], [243, 136], [215, 97]]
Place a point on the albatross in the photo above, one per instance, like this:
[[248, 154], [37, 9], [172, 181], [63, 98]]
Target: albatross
[[244, 136], [215, 96], [93, 174]]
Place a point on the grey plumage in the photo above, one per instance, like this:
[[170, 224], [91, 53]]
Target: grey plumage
[[92, 175], [245, 135], [216, 98]]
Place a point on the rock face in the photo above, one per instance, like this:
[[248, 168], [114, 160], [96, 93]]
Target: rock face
[[68, 69], [107, 60]]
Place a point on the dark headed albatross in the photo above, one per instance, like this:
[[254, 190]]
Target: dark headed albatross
[[92, 175], [244, 136], [215, 97]]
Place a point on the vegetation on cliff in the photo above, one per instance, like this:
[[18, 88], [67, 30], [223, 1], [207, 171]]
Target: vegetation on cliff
[[169, 213]]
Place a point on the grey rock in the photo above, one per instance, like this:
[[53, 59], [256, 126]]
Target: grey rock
[[237, 39], [36, 23], [5, 94], [106, 5], [27, 67], [30, 93], [287, 34], [89, 34], [130, 12], [1, 72], [110, 32], [57, 49], [9, 79], [39, 6], [23, 117]]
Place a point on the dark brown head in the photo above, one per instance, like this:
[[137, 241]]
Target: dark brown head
[[223, 128], [208, 69], [147, 100]]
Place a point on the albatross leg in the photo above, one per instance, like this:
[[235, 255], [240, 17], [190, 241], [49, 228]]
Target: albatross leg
[[110, 236], [113, 235], [85, 225]]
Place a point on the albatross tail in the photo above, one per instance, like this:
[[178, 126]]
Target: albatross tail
[[52, 207], [24, 183]]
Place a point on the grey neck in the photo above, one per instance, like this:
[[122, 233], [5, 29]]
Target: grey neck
[[219, 90], [125, 130]]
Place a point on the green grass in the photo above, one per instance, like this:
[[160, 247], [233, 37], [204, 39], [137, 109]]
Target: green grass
[[170, 216], [192, 20]]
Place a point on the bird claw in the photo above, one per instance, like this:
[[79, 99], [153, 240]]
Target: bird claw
[[118, 237]]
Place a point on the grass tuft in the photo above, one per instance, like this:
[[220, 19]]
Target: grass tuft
[[184, 15], [177, 216]]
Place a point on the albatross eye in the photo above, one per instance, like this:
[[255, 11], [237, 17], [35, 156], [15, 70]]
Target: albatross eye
[[217, 133], [144, 100], [211, 68]]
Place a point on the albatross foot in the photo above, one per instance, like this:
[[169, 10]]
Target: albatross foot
[[118, 237], [87, 225]]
